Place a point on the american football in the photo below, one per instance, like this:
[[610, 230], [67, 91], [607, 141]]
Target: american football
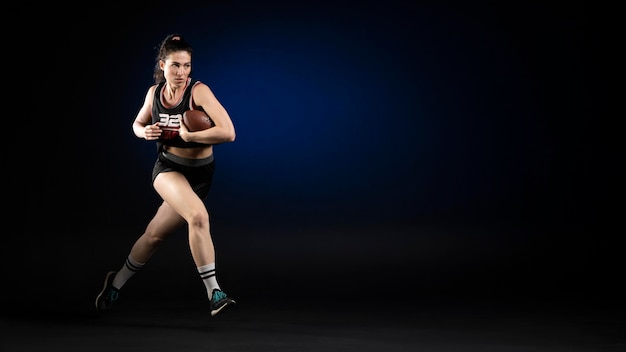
[[197, 120]]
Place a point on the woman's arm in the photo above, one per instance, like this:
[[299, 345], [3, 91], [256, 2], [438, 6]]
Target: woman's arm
[[142, 126], [224, 129]]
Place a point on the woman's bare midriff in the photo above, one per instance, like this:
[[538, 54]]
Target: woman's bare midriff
[[191, 153]]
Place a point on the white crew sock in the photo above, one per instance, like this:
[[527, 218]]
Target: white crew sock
[[207, 274], [129, 269]]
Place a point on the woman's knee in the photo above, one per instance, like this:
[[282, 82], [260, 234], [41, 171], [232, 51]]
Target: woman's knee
[[154, 239], [199, 219], [154, 235]]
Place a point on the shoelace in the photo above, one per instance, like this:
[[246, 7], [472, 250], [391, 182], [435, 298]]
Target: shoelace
[[218, 295], [113, 295]]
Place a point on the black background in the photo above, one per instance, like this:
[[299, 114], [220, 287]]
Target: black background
[[431, 149]]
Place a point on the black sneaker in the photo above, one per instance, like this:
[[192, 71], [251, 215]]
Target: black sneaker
[[108, 295], [219, 301]]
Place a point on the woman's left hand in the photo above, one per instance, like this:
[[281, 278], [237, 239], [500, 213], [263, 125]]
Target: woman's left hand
[[183, 131]]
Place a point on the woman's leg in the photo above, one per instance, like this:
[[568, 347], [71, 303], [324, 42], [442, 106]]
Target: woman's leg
[[180, 197], [177, 193], [164, 222]]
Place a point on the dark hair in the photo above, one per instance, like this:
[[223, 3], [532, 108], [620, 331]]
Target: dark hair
[[171, 43]]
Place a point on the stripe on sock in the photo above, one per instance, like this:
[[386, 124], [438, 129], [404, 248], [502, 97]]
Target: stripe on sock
[[207, 274], [132, 266], [129, 269]]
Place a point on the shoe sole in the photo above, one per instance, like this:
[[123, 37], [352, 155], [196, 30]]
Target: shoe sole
[[104, 288], [214, 312]]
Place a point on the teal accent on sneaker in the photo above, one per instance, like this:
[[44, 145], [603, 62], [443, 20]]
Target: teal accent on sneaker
[[219, 301], [108, 295], [217, 295]]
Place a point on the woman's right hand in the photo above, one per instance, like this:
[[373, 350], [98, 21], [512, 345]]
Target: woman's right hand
[[152, 132]]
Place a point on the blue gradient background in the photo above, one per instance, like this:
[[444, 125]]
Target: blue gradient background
[[380, 112]]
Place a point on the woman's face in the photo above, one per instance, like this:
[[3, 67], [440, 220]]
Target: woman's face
[[176, 68]]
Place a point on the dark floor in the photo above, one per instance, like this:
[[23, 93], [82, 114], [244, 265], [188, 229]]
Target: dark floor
[[302, 325], [435, 291]]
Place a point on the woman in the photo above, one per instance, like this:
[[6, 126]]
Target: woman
[[182, 172]]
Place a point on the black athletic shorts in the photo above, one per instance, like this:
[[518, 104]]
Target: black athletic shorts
[[199, 172]]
